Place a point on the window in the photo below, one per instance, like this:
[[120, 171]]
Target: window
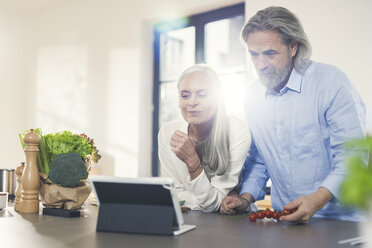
[[212, 38]]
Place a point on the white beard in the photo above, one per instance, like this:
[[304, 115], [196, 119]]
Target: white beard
[[272, 78]]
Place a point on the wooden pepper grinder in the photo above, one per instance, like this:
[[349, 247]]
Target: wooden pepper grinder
[[19, 170], [30, 175]]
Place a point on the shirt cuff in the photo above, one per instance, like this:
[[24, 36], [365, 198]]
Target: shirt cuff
[[333, 184], [200, 184], [256, 192]]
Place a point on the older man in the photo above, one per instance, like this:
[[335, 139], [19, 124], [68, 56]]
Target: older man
[[300, 113]]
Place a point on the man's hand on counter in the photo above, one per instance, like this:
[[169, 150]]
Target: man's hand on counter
[[304, 207], [233, 203]]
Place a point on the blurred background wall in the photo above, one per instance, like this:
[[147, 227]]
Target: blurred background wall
[[86, 66]]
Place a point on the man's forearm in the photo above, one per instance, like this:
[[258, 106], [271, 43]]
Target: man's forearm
[[246, 200], [247, 196], [322, 197]]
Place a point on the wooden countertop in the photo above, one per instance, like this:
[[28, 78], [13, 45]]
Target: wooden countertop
[[213, 230]]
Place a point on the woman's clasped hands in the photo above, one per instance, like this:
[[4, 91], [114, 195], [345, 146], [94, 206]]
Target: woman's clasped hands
[[185, 149]]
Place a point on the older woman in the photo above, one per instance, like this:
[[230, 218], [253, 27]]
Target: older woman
[[203, 153]]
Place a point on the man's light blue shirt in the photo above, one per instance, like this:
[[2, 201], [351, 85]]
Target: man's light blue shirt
[[298, 136]]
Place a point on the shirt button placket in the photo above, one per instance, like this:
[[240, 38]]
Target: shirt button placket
[[281, 130]]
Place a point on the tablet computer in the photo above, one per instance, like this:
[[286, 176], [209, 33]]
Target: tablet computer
[[138, 205]]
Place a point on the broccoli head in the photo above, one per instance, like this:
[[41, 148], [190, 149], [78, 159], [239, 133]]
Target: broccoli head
[[68, 169]]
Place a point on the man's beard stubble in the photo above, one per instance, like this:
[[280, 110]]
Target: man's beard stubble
[[272, 78]]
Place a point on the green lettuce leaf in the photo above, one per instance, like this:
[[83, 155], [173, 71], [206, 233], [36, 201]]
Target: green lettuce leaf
[[62, 142], [66, 142]]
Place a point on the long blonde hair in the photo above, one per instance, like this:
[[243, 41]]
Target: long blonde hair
[[215, 147]]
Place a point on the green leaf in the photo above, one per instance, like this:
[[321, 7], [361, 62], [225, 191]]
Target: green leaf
[[356, 189], [62, 142]]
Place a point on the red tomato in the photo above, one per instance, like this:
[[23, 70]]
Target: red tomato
[[286, 212], [260, 215], [268, 213], [253, 217], [275, 215]]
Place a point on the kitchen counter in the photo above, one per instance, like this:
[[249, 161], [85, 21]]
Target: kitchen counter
[[213, 230]]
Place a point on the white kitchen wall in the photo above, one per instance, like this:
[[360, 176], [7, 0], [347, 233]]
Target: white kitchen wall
[[12, 93]]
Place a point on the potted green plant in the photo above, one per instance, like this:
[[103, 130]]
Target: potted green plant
[[356, 190]]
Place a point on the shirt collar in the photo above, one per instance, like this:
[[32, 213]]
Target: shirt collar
[[294, 83]]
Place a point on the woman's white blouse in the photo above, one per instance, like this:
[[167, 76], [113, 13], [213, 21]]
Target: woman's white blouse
[[203, 193]]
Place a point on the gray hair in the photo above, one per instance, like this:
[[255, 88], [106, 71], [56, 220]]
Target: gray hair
[[214, 148], [288, 26]]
